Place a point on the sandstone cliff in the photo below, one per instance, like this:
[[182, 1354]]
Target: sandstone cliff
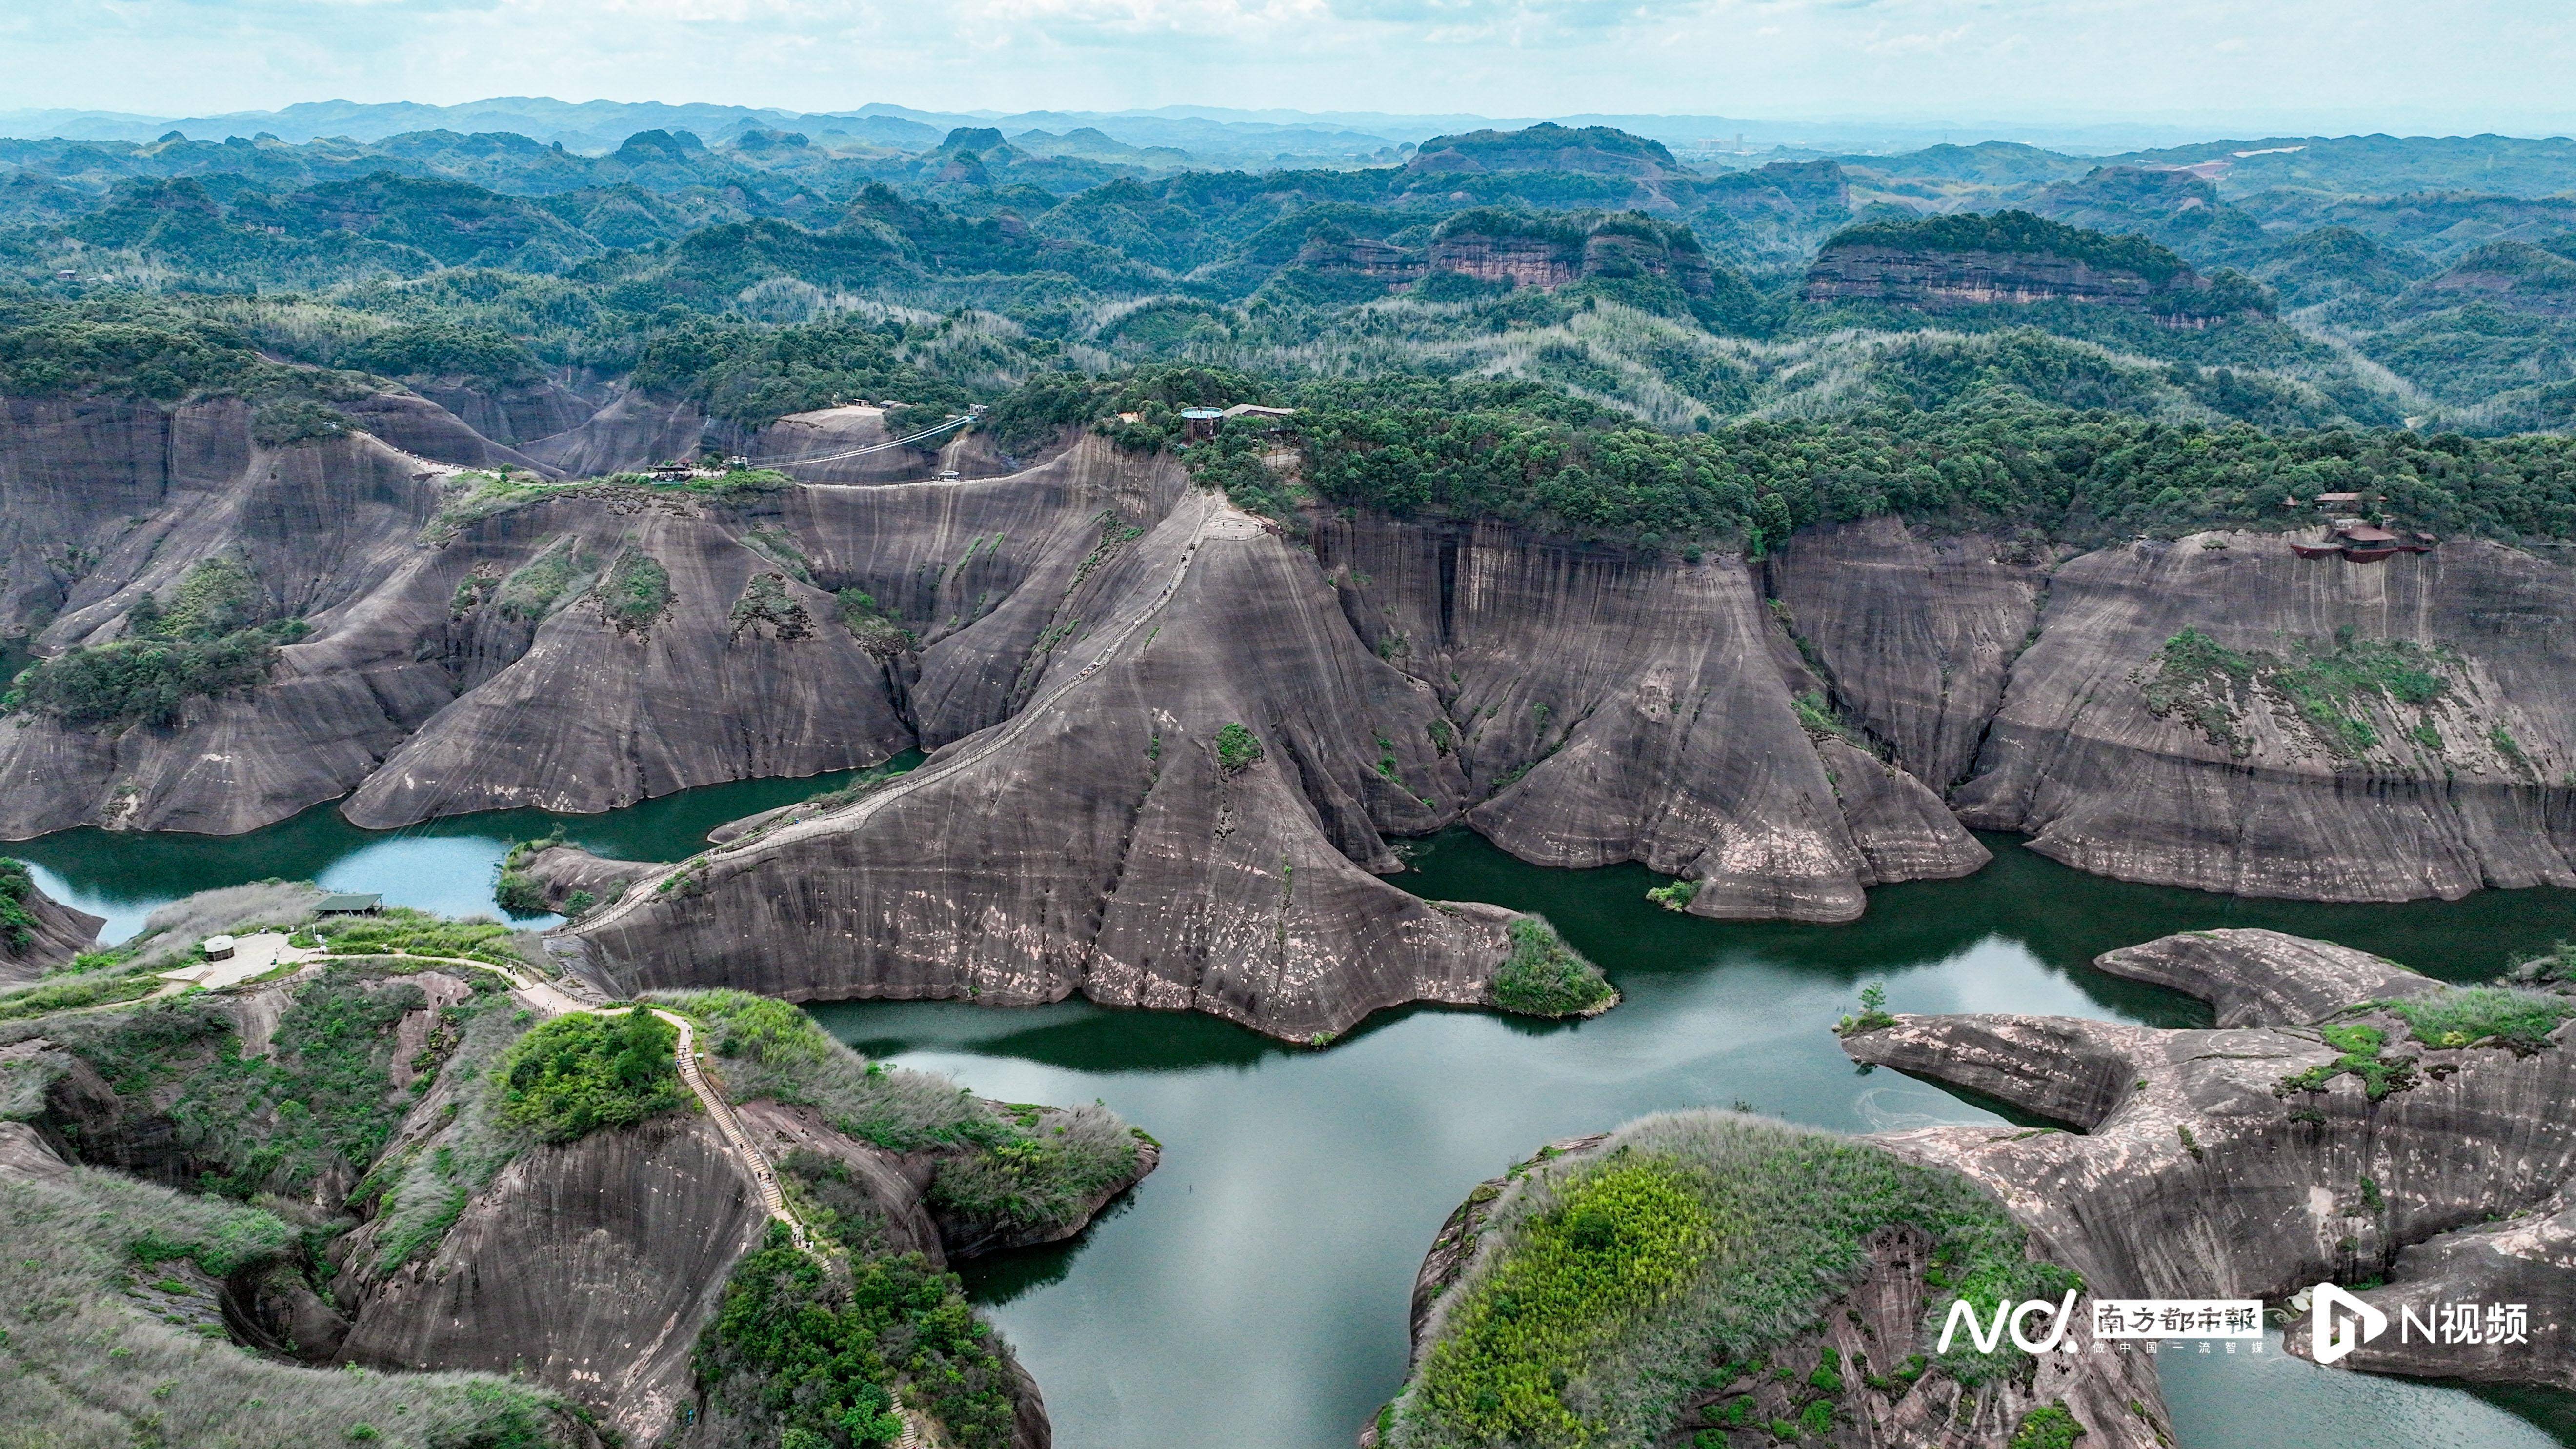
[[1608, 708], [1494, 246], [1155, 861], [375, 1090], [2255, 1159], [2013, 258], [37, 932], [2251, 765]]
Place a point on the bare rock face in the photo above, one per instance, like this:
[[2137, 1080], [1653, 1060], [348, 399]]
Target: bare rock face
[[1156, 858], [465, 664], [515, 413], [55, 933], [1942, 280], [589, 1266], [561, 870], [2265, 978], [26, 1156], [1917, 633], [323, 527], [2254, 1160], [1614, 708], [633, 430], [421, 426], [2126, 762], [2528, 1259]]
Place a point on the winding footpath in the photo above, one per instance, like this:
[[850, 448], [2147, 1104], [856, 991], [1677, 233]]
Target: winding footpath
[[552, 1000], [1216, 519]]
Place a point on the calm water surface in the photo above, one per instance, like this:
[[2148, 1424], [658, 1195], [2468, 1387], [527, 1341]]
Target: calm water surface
[[1252, 1293], [448, 866]]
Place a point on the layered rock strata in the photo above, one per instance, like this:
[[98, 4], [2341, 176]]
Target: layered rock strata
[[1946, 280], [1201, 767], [1607, 708], [54, 933], [2255, 1159]]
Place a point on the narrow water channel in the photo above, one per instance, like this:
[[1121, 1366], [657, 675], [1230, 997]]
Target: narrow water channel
[[448, 866], [1252, 1293]]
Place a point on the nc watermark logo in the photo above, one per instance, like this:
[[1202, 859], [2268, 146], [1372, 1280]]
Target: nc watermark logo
[[2339, 1323], [2013, 1317]]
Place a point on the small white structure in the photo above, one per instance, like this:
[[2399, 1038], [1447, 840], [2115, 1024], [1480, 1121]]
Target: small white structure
[[230, 961]]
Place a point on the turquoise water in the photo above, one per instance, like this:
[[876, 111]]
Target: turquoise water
[[448, 866], [1252, 1292]]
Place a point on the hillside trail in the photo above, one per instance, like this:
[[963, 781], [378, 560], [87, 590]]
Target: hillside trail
[[1217, 519], [552, 1000]]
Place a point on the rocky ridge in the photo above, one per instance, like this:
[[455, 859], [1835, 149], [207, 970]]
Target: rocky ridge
[[2315, 1136], [1857, 1376], [589, 1265], [1781, 736], [45, 933]]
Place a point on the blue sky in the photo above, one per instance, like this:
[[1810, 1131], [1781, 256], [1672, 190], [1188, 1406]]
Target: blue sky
[[2414, 65]]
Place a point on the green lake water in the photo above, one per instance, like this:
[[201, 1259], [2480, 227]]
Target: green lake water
[[1252, 1292], [448, 866]]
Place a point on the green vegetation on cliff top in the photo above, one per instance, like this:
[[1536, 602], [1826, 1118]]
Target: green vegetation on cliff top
[[2015, 232], [1526, 453], [1696, 1239], [17, 924], [1001, 1171], [98, 1362], [574, 1075], [206, 641], [810, 1354], [1543, 976]]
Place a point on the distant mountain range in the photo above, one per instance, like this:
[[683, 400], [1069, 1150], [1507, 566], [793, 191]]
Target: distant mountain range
[[1211, 135]]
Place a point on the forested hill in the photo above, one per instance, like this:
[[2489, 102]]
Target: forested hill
[[766, 271]]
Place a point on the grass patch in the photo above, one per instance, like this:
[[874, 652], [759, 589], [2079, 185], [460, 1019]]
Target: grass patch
[[2204, 682], [404, 931], [1038, 1177], [1619, 1242], [17, 923], [876, 630], [417, 1194], [1816, 717], [531, 590], [2049, 1426], [74, 992], [765, 604], [574, 1075], [321, 1100], [1693, 1238], [2338, 691], [2474, 1015], [87, 1370], [1543, 976], [1001, 1172], [637, 592], [2361, 1056]]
